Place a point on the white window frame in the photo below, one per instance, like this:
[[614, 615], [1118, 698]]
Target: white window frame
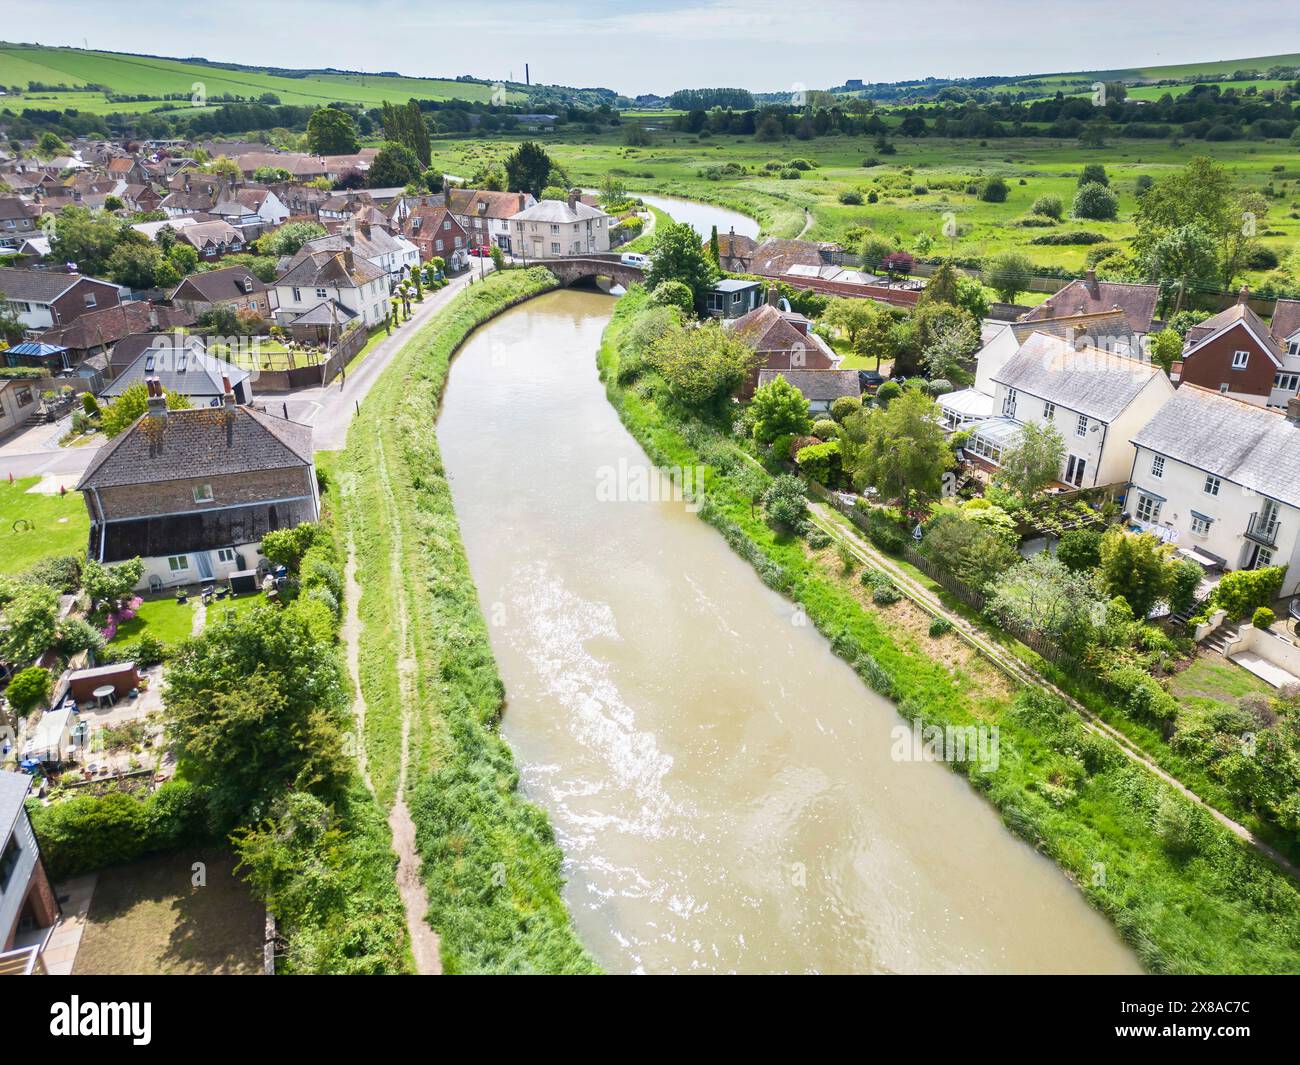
[[1157, 466], [203, 493], [1212, 485], [1081, 426], [1240, 359], [1200, 525], [1009, 403], [1148, 508], [1049, 412], [225, 554], [178, 563]]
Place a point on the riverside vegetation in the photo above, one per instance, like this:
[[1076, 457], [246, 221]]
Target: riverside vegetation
[[1185, 892], [489, 858]]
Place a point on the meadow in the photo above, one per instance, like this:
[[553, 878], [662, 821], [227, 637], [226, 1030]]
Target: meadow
[[917, 188]]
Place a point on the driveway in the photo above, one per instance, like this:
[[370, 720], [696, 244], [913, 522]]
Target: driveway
[[36, 451]]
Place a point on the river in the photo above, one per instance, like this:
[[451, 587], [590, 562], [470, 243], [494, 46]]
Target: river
[[702, 216], [720, 782]]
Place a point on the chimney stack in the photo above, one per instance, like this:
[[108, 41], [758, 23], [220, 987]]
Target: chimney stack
[[1293, 410], [348, 262], [773, 295], [157, 403], [1090, 280], [227, 393], [573, 199], [1243, 297]]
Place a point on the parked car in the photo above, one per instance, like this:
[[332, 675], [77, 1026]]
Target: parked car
[[482, 251], [870, 380], [632, 258]]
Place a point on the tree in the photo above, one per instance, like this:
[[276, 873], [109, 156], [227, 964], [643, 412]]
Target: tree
[[1043, 595], [528, 169], [28, 621], [1009, 275], [943, 285], [109, 584], [949, 348], [86, 239], [225, 167], [28, 689], [715, 254], [972, 551], [133, 402], [394, 166], [1166, 349], [848, 316], [899, 449], [289, 238], [253, 707], [994, 190], [1134, 568], [331, 131], [875, 339], [1178, 258], [1080, 549], [50, 145], [136, 265], [702, 367], [779, 409], [1095, 201], [674, 294], [1034, 460], [677, 255]]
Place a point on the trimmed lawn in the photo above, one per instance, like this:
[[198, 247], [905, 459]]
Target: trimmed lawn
[[238, 607], [164, 619], [1211, 681], [59, 525], [147, 918]]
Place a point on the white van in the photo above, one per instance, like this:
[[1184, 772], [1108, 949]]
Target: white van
[[631, 258]]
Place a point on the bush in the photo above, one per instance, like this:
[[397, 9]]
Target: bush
[[887, 391], [286, 547], [62, 573], [885, 594], [1080, 549], [994, 190], [1048, 207], [87, 832], [843, 407], [1242, 591], [146, 651], [851, 198], [825, 429], [1096, 202], [820, 462], [785, 502], [1263, 618], [674, 294], [318, 570], [940, 627], [29, 689]]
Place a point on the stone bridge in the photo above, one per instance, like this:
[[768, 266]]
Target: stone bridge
[[574, 268]]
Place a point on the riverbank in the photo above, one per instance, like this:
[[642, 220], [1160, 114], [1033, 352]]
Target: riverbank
[[488, 857], [1199, 904]]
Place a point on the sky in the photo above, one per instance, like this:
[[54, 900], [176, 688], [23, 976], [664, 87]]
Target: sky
[[642, 46]]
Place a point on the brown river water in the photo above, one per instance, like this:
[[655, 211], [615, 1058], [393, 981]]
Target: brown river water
[[722, 785]]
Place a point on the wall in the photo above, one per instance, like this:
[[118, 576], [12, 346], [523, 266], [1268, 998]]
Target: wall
[[177, 496], [1211, 366]]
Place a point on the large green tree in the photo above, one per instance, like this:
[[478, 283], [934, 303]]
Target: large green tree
[[331, 131], [88, 239], [702, 367], [395, 166], [1034, 460], [677, 255], [899, 449], [779, 409], [1135, 568], [528, 169]]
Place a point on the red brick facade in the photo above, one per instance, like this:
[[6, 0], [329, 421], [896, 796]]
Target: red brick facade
[[1210, 364]]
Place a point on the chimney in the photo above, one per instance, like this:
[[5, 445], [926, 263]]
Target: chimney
[[1243, 297], [364, 227], [1090, 280], [227, 393], [348, 262], [348, 232], [157, 404], [573, 199], [1293, 410], [773, 296]]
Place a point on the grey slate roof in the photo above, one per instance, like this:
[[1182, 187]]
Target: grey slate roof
[[821, 386], [558, 211], [13, 790], [203, 442], [1238, 441], [1087, 380], [185, 369], [37, 286]]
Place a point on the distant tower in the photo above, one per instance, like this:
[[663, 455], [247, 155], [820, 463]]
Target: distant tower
[[526, 81]]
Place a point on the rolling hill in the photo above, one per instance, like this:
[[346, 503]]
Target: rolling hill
[[155, 78]]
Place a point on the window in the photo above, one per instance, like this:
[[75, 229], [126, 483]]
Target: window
[[297, 295], [446, 223], [1239, 359], [555, 229], [90, 299], [1158, 466], [1074, 468], [203, 493], [1200, 524], [1223, 388], [1289, 382], [1263, 558], [1049, 412], [1148, 508], [1009, 403], [178, 563], [1081, 426], [226, 554], [1212, 485], [555, 248], [1293, 348], [321, 293], [9, 861], [23, 396]]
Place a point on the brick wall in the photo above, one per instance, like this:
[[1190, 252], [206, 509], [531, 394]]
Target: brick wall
[[177, 497], [1211, 366]]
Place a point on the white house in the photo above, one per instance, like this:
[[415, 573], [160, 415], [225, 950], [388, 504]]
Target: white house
[[555, 228], [28, 907], [341, 279], [1097, 401], [394, 255], [1220, 478]]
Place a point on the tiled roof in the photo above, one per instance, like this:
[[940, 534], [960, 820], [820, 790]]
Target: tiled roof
[[38, 286], [1247, 444], [774, 256], [214, 286], [817, 385], [1286, 320], [13, 791], [324, 268], [484, 204], [1088, 296], [1098, 324], [111, 324], [1088, 380], [559, 211], [1238, 313], [201, 442], [765, 328], [186, 370]]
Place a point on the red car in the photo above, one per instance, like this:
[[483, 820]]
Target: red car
[[482, 251]]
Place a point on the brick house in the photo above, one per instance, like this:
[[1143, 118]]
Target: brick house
[[192, 492], [436, 232], [28, 908], [1235, 354], [44, 299], [1285, 326], [213, 239], [486, 215], [97, 332], [782, 340]]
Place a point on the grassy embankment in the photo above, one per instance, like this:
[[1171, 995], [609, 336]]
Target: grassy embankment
[[1209, 905], [489, 857]]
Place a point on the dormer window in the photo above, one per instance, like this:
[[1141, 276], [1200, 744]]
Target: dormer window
[[203, 493], [248, 284]]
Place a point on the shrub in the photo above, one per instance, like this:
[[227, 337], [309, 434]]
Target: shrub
[[59, 572], [820, 461], [318, 570], [28, 689], [940, 627], [843, 407], [1242, 591], [1263, 618], [825, 429], [1080, 549], [817, 538], [887, 391], [286, 547], [1048, 207], [884, 593], [1096, 202], [851, 198], [785, 502], [674, 294], [994, 190]]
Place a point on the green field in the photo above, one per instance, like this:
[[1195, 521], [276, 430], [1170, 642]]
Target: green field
[[940, 166], [144, 75], [33, 526]]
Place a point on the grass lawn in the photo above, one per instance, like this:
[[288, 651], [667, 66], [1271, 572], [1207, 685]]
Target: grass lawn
[[58, 525], [164, 619], [147, 918], [238, 608], [1212, 681], [378, 334]]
